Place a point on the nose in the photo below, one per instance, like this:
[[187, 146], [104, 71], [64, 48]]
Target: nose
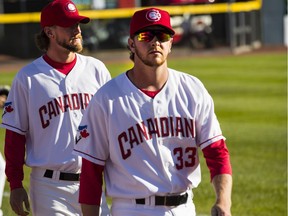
[[155, 41], [77, 29]]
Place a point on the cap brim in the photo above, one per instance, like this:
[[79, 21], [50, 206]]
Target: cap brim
[[84, 20], [171, 31], [74, 20]]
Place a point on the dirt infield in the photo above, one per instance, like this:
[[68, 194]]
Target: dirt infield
[[12, 64]]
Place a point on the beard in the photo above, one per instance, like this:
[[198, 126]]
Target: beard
[[152, 62], [72, 47]]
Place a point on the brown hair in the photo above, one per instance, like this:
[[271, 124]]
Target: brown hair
[[42, 41]]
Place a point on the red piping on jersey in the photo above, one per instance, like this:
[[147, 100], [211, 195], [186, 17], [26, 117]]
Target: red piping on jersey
[[88, 155], [209, 139]]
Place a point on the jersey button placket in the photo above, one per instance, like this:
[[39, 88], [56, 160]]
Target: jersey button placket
[[158, 108]]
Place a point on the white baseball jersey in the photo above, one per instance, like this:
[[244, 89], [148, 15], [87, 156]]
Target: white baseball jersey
[[149, 146], [47, 106]]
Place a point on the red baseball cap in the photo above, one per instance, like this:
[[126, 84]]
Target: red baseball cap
[[62, 13], [150, 17]]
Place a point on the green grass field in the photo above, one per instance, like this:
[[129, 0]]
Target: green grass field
[[250, 95]]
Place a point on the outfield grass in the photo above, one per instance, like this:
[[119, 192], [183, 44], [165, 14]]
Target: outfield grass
[[250, 95]]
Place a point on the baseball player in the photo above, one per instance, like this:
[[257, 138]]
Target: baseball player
[[144, 129], [42, 112]]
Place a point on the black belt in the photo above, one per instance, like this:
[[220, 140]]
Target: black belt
[[167, 200], [63, 176]]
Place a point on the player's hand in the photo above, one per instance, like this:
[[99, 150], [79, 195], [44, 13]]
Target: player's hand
[[19, 196], [218, 210]]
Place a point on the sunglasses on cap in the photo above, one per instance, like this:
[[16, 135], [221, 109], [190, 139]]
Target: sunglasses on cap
[[147, 36]]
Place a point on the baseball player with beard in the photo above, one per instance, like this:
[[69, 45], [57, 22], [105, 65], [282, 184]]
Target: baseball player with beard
[[144, 129], [42, 112]]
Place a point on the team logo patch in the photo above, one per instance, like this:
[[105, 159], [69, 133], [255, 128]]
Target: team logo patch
[[153, 15], [8, 108], [82, 133], [70, 7]]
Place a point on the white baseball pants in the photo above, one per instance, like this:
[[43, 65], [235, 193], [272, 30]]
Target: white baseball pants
[[57, 197]]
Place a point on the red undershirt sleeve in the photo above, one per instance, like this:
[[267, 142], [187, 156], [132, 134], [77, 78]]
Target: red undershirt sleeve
[[217, 158], [90, 183], [14, 151]]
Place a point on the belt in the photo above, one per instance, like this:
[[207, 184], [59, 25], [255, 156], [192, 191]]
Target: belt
[[167, 200], [63, 176]]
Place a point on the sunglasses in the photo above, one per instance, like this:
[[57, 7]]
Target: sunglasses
[[147, 36]]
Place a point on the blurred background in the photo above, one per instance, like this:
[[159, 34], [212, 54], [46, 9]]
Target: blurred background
[[240, 25], [250, 90]]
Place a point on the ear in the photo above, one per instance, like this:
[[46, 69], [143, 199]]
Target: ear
[[131, 44], [48, 32]]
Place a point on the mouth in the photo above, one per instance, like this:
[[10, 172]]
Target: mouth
[[76, 40], [155, 52]]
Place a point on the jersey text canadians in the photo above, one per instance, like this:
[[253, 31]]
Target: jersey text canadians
[[161, 127], [62, 104]]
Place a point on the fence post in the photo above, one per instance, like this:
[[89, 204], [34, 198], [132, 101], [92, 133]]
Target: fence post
[[243, 31]]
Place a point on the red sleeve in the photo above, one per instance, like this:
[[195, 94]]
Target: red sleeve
[[90, 183], [217, 158], [15, 158]]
